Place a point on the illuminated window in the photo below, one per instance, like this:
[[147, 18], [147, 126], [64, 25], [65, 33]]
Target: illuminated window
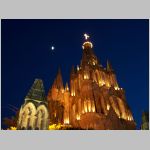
[[85, 106], [66, 121], [108, 107], [116, 88], [93, 108], [78, 117], [55, 114], [89, 106], [86, 76], [108, 85], [72, 93]]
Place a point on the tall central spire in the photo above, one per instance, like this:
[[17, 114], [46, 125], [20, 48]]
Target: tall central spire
[[88, 57]]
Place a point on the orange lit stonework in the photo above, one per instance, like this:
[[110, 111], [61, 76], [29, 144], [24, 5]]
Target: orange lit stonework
[[93, 89], [93, 99]]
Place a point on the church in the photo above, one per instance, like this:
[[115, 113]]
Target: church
[[93, 99]]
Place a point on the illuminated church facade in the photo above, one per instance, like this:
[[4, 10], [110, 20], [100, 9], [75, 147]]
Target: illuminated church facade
[[93, 100]]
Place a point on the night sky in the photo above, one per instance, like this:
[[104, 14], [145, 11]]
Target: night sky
[[26, 55]]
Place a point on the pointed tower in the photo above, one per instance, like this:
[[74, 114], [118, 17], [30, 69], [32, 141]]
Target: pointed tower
[[66, 87], [88, 56], [58, 82], [57, 90], [37, 92], [109, 66], [72, 74], [55, 99], [34, 112], [111, 75]]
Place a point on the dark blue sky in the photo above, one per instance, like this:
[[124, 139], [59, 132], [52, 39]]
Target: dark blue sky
[[26, 55]]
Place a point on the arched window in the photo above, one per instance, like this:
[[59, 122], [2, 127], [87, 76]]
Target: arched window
[[42, 117], [26, 116]]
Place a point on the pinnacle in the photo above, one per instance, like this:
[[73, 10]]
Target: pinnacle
[[109, 67], [72, 70], [37, 91], [66, 87], [58, 82]]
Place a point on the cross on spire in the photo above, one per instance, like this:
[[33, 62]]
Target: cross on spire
[[86, 36]]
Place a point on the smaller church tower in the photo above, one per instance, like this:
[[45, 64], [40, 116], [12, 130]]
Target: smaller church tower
[[57, 90], [55, 99], [34, 113]]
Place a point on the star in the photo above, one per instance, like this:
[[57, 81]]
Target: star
[[52, 48]]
